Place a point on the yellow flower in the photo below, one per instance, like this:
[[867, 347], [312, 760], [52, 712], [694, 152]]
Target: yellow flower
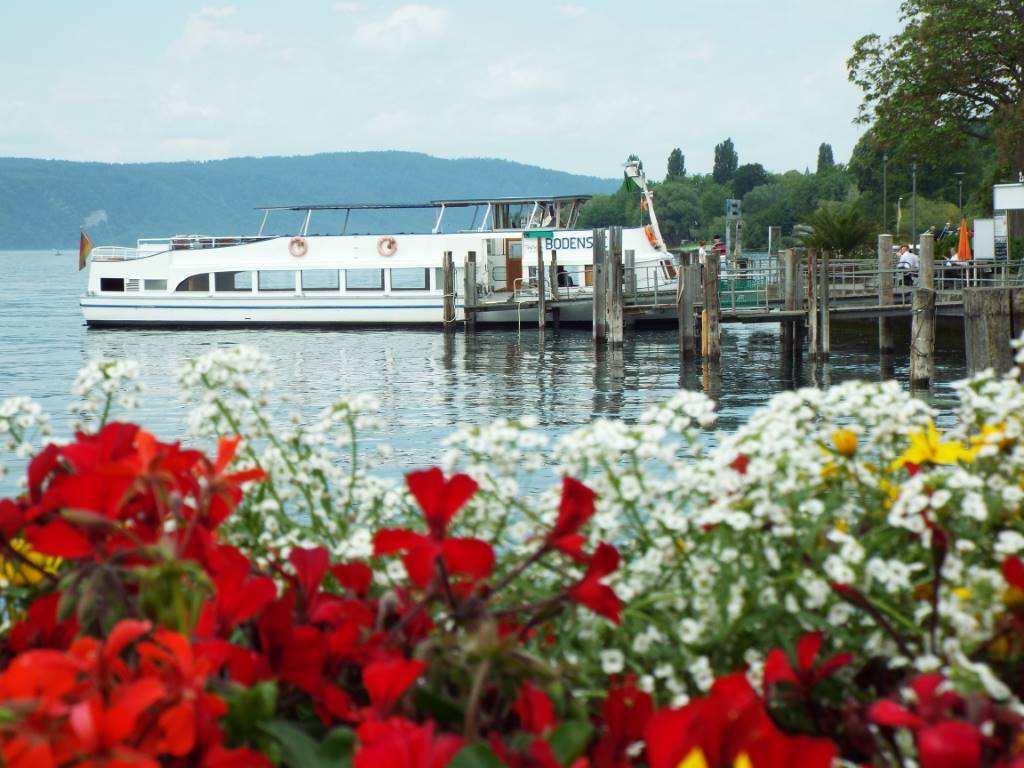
[[695, 759], [829, 470], [19, 573], [993, 434], [962, 593], [842, 526], [845, 441], [926, 447], [891, 490]]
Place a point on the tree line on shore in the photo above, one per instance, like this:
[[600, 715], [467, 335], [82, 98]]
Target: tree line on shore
[[938, 108]]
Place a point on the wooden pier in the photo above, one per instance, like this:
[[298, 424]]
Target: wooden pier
[[796, 288]]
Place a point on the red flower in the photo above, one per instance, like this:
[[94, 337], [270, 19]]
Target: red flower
[[386, 681], [1013, 572], [575, 509], [777, 668], [740, 464], [239, 596], [224, 488], [942, 742], [40, 628], [590, 592], [625, 714], [397, 743], [731, 722], [440, 499], [534, 710]]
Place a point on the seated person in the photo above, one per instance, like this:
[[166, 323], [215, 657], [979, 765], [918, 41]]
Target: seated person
[[564, 278]]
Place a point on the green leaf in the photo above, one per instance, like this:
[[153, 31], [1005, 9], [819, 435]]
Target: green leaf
[[569, 740], [300, 750], [477, 755], [444, 710]]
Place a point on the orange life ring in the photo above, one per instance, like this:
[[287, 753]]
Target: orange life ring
[[649, 231], [387, 246], [297, 246]]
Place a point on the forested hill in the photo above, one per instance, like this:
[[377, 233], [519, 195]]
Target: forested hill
[[43, 203]]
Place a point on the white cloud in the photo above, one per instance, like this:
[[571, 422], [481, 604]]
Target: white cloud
[[205, 30], [571, 10], [405, 25], [345, 7]]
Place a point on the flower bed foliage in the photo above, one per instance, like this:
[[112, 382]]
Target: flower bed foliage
[[836, 581]]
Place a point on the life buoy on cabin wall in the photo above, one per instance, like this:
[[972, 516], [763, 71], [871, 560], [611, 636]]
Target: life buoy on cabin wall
[[297, 246], [649, 231], [387, 246]]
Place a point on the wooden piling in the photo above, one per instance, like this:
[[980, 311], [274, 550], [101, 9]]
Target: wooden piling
[[542, 311], [926, 273], [710, 339], [990, 315], [448, 280], [686, 293], [600, 286], [614, 274], [813, 343], [922, 338], [630, 273], [470, 297], [790, 293], [885, 293], [553, 275], [824, 300]]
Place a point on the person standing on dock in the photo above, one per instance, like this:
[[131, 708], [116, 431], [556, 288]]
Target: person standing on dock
[[908, 263], [702, 253]]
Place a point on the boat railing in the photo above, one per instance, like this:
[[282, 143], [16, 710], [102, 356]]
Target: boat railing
[[197, 242], [117, 253]]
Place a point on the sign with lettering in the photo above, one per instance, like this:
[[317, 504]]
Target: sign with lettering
[[562, 242]]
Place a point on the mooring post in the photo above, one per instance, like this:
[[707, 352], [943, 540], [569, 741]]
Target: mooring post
[[812, 302], [775, 259], [824, 299], [885, 293], [469, 293], [600, 285], [542, 311], [630, 273], [689, 276], [553, 275], [789, 297], [992, 318], [922, 338], [615, 281], [710, 342], [448, 278], [926, 272]]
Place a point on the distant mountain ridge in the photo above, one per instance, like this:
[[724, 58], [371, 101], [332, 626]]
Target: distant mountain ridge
[[43, 203]]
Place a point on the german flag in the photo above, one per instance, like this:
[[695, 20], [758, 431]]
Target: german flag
[[84, 249]]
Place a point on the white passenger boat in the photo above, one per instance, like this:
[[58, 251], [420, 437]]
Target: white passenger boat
[[366, 279]]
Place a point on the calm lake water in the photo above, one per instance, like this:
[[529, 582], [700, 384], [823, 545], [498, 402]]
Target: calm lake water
[[426, 384]]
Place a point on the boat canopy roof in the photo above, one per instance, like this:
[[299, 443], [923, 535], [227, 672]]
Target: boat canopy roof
[[551, 210]]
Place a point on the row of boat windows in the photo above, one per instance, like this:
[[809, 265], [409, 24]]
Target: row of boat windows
[[278, 280]]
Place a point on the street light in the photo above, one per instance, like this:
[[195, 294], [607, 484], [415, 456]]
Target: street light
[[960, 192], [885, 190], [913, 210]]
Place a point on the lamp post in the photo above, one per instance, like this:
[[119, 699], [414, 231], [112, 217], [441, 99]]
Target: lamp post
[[960, 192], [913, 208], [885, 190]]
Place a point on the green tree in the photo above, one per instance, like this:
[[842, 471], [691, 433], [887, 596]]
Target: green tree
[[955, 70], [676, 164], [825, 160], [748, 176], [726, 161], [679, 211], [839, 228]]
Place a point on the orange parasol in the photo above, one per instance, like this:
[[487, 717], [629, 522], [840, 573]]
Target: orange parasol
[[963, 251]]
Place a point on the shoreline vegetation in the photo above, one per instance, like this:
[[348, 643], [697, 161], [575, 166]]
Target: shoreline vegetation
[[836, 579]]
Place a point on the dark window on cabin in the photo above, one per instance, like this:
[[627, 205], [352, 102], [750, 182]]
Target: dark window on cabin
[[112, 284], [195, 283], [410, 279], [364, 279], [232, 281], [320, 280]]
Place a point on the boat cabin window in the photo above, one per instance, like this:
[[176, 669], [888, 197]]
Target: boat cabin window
[[277, 280], [410, 279], [195, 283], [320, 280], [112, 284], [364, 279], [155, 285], [232, 281]]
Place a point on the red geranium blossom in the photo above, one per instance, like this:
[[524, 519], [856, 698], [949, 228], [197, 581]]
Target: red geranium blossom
[[589, 591], [777, 668]]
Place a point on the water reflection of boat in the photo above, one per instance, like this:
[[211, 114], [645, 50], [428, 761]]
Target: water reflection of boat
[[362, 279]]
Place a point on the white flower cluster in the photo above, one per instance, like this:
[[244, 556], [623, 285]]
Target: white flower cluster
[[23, 427], [101, 386]]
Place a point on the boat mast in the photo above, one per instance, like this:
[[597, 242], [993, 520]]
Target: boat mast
[[635, 172]]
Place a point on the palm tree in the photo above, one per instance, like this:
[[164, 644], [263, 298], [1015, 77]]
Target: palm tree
[[839, 228]]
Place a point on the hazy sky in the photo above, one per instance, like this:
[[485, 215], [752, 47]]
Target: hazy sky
[[573, 85]]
